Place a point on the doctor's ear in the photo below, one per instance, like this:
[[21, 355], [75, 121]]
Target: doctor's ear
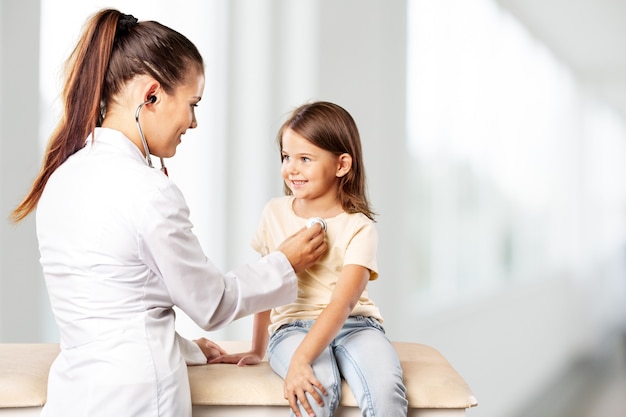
[[151, 90]]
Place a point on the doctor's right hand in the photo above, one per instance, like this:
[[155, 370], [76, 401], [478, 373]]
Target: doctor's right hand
[[304, 247]]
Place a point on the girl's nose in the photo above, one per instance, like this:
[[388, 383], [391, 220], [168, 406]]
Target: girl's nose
[[292, 167], [289, 167]]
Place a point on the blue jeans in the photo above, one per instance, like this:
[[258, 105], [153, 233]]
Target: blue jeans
[[361, 354]]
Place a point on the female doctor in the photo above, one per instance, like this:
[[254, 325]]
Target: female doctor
[[116, 243]]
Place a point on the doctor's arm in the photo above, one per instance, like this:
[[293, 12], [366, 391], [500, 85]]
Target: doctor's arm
[[213, 299]]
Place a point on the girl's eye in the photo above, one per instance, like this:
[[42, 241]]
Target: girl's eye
[[305, 159], [285, 157]]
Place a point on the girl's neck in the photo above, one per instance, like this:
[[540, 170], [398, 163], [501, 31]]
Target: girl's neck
[[317, 208]]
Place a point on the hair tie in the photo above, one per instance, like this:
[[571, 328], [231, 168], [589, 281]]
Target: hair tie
[[125, 23]]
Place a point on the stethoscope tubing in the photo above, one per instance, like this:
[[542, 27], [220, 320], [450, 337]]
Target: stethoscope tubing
[[143, 138]]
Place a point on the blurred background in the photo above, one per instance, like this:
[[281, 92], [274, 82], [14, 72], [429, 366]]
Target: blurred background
[[495, 146]]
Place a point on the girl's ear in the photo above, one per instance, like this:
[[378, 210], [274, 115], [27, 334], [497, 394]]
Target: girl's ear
[[344, 164]]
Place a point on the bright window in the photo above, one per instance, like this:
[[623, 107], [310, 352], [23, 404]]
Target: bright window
[[506, 150]]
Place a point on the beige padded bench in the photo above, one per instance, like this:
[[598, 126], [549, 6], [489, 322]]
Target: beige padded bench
[[434, 388]]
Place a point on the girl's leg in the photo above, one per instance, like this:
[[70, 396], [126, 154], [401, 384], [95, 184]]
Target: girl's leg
[[370, 365], [280, 349]]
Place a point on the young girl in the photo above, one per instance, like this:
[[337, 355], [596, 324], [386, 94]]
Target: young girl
[[333, 329], [117, 247]]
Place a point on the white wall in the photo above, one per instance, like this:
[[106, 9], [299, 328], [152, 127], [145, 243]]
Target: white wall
[[24, 311]]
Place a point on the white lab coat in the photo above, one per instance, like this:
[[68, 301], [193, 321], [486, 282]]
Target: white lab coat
[[118, 252]]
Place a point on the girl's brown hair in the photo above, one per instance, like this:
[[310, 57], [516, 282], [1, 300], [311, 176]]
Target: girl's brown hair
[[330, 127], [113, 49]]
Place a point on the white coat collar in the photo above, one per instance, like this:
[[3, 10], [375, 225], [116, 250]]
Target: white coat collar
[[116, 139]]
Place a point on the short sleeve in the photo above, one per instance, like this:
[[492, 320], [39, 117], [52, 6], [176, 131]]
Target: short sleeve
[[362, 248]]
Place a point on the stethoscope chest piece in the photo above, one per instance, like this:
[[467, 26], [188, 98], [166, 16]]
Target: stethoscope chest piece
[[310, 222]]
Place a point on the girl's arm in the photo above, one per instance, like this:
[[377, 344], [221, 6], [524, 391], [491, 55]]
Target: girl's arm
[[260, 336], [256, 353], [300, 377]]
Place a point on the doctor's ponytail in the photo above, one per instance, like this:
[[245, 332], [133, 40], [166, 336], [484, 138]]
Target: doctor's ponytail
[[85, 70]]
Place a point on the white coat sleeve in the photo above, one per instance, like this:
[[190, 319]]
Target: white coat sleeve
[[209, 297], [191, 352]]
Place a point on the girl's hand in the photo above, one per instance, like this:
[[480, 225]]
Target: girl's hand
[[299, 380], [241, 359], [210, 349]]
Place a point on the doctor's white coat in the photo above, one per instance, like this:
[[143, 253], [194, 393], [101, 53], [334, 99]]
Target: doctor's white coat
[[118, 252]]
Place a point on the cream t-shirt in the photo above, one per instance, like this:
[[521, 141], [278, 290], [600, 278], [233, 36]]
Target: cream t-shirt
[[352, 240]]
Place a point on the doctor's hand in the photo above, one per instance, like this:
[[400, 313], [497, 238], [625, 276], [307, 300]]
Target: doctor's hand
[[304, 247], [241, 359], [210, 349]]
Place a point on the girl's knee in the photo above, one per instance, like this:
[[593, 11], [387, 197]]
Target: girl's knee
[[331, 402]]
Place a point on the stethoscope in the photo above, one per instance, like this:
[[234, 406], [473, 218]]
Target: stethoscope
[[151, 99]]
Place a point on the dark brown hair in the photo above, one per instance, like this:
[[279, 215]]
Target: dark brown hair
[[113, 49], [330, 127]]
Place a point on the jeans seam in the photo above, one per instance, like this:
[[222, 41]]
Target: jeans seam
[[366, 390]]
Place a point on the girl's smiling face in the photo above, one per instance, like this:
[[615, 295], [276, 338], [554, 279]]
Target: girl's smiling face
[[310, 172]]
